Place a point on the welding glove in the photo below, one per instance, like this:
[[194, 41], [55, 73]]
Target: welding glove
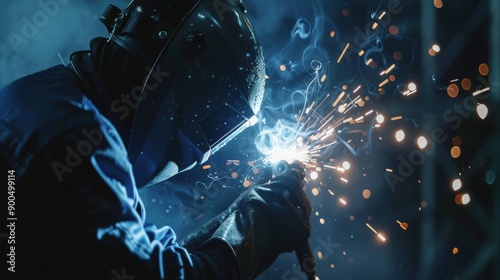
[[263, 222]]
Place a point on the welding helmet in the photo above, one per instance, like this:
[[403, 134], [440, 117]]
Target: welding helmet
[[205, 84]]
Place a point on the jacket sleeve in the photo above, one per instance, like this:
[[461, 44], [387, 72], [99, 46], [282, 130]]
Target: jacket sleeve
[[90, 166]]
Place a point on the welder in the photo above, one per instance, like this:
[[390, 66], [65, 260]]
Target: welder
[[171, 84]]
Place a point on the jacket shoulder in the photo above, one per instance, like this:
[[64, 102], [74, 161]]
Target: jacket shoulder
[[38, 107]]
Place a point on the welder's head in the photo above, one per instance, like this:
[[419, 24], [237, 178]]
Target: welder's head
[[205, 86]]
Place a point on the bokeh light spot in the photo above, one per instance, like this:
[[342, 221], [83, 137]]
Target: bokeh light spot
[[393, 29], [452, 90], [457, 141], [399, 135], [455, 152], [412, 86], [366, 193], [484, 69], [422, 142], [482, 111], [315, 191], [346, 165], [465, 199], [466, 84], [436, 48], [456, 184], [397, 55], [380, 118], [246, 183], [490, 177]]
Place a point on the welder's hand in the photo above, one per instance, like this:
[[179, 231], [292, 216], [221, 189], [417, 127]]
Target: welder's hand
[[281, 194], [284, 204], [265, 221]]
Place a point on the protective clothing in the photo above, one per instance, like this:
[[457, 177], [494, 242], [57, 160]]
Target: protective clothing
[[263, 222], [81, 215], [78, 165]]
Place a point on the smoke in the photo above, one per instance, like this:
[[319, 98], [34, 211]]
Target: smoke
[[37, 34], [319, 51]]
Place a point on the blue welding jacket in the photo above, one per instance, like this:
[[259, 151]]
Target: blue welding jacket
[[80, 216]]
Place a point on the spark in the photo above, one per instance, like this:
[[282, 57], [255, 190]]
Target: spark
[[343, 52], [477, 92], [381, 15], [379, 235], [338, 98], [383, 83], [403, 225]]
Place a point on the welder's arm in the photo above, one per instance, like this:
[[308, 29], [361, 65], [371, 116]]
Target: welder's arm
[[263, 222], [111, 231]]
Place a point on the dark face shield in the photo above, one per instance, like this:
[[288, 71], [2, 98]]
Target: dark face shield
[[205, 88]]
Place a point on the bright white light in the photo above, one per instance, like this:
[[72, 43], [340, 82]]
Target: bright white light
[[300, 141], [456, 184], [482, 111], [289, 155], [314, 175], [346, 165], [436, 48], [422, 142], [412, 86], [380, 118], [465, 199], [400, 135], [252, 120], [342, 108]]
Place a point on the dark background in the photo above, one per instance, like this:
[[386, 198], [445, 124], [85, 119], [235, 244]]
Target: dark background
[[294, 33]]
